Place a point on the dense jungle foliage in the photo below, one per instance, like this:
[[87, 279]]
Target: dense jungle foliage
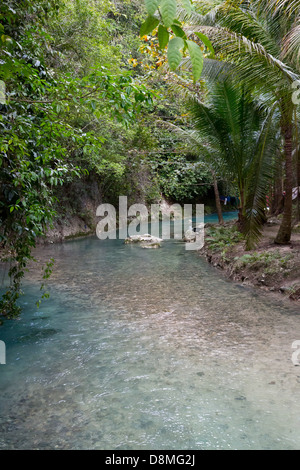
[[183, 100]]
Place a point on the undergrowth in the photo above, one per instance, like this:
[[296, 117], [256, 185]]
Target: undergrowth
[[221, 238]]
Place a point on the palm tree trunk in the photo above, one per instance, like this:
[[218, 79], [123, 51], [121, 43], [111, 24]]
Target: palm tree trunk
[[217, 197], [241, 214], [277, 197], [297, 150], [285, 230], [298, 185]]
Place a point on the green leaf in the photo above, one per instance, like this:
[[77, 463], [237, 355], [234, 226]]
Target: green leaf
[[196, 59], [163, 36], [149, 25], [174, 54], [177, 23], [187, 5], [151, 6], [178, 31], [168, 11], [206, 42]]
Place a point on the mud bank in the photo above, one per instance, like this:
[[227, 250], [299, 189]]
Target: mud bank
[[271, 268]]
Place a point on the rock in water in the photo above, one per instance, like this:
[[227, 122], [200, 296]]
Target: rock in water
[[189, 236], [145, 241]]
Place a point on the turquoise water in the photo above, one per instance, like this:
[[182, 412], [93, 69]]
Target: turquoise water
[[147, 349], [213, 218]]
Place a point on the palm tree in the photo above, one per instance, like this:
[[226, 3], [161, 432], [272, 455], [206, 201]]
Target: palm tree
[[237, 137], [261, 39]]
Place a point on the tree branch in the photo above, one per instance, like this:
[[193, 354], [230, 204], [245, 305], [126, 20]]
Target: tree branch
[[18, 100]]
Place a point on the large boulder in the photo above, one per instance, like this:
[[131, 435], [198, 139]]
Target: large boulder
[[145, 241], [189, 236]]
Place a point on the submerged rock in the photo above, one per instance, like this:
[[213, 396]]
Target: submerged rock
[[189, 236], [38, 334], [145, 241]]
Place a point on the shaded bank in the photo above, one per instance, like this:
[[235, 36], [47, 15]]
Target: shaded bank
[[270, 267]]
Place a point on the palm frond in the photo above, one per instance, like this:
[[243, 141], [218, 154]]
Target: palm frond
[[244, 22], [279, 6], [186, 17], [250, 40], [206, 11], [241, 51], [291, 45]]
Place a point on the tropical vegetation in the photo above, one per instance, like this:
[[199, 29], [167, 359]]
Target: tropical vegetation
[[179, 99]]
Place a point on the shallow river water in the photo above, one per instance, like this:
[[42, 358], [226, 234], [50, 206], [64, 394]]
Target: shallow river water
[[147, 349]]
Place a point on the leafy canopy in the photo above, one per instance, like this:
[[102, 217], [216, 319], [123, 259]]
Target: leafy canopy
[[163, 13]]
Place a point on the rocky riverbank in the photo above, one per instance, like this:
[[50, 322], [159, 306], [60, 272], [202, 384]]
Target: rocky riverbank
[[271, 268]]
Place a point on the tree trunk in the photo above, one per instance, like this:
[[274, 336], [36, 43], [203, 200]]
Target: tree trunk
[[285, 230], [241, 214], [277, 202], [298, 183], [217, 197]]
